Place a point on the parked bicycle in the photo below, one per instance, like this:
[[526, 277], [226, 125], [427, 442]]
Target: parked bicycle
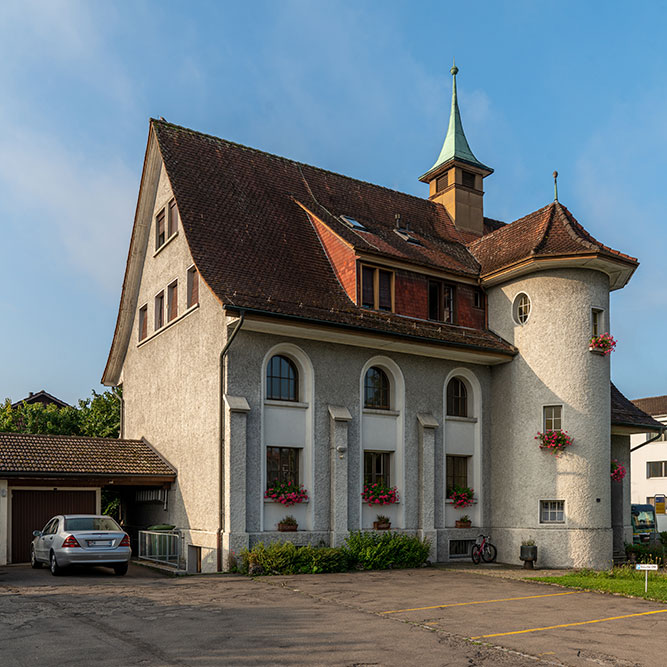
[[483, 550]]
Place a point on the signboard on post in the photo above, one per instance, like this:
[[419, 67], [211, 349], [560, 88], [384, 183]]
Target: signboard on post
[[660, 504], [646, 567]]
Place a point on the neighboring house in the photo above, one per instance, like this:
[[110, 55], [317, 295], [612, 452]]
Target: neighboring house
[[45, 475], [279, 322], [649, 459], [42, 397]]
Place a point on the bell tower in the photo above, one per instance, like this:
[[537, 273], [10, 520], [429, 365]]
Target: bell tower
[[455, 180]]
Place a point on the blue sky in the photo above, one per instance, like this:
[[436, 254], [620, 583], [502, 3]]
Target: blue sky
[[357, 87]]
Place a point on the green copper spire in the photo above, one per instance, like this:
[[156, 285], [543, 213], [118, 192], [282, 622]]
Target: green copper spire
[[456, 145]]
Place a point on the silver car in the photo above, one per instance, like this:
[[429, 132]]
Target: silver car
[[81, 539]]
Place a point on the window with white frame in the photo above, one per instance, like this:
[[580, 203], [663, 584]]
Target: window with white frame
[[521, 308], [553, 417], [552, 511], [656, 469]]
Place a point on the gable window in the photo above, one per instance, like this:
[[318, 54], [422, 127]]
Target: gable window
[[457, 398], [376, 467], [376, 389], [440, 301], [193, 286], [282, 379], [143, 322], [159, 311], [160, 234], [172, 301], [552, 511], [597, 321], [377, 288], [521, 308], [553, 417], [457, 472], [656, 468], [172, 223], [282, 465]]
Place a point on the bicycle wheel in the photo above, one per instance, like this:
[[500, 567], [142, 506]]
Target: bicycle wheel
[[475, 555], [489, 553]]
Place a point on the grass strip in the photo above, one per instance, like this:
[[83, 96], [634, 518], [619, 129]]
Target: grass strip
[[621, 581]]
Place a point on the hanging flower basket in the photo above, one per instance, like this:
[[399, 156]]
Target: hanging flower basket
[[618, 471], [603, 344], [554, 441], [462, 496], [379, 494], [286, 493]]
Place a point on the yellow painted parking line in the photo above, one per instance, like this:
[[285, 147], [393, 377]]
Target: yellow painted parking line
[[462, 604], [567, 625]]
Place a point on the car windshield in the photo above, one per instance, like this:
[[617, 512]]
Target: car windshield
[[644, 521], [91, 523]]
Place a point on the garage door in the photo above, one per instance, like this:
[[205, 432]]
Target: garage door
[[32, 509]]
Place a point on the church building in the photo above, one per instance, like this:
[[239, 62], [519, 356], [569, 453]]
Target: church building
[[280, 324]]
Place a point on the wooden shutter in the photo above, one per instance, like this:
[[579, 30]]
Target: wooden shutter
[[194, 287], [384, 296], [367, 287], [173, 217]]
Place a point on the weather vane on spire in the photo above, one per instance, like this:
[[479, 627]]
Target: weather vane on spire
[[555, 185]]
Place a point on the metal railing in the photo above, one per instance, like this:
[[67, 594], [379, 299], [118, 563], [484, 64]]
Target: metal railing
[[160, 547]]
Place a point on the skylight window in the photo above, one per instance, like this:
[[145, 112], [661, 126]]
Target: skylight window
[[352, 223], [406, 236]]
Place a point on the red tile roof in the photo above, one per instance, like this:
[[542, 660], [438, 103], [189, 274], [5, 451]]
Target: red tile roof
[[50, 455], [551, 231], [627, 413], [256, 248], [653, 405]]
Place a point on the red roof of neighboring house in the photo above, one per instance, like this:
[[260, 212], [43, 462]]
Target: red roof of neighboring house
[[551, 231], [653, 405], [49, 455]]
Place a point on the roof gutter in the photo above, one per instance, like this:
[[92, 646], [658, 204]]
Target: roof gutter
[[221, 449], [650, 440], [355, 327]]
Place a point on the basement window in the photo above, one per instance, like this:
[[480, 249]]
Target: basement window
[[552, 511]]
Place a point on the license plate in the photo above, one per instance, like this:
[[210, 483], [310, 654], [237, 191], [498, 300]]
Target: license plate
[[99, 543]]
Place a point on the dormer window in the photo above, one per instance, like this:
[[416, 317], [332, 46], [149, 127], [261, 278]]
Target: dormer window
[[440, 301], [377, 288]]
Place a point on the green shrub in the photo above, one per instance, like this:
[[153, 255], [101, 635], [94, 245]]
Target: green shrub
[[381, 551], [646, 553], [286, 558], [663, 538]]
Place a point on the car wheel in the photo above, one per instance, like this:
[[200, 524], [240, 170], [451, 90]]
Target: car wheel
[[34, 563], [120, 570], [56, 570]]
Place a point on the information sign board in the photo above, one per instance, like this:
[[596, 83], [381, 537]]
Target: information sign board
[[646, 566]]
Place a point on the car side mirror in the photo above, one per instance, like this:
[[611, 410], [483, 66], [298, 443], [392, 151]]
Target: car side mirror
[[36, 533]]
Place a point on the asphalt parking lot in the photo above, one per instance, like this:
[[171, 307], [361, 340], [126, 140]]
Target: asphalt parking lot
[[430, 616]]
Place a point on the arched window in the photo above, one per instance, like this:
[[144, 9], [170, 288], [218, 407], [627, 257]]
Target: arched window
[[376, 389], [282, 379], [457, 398]]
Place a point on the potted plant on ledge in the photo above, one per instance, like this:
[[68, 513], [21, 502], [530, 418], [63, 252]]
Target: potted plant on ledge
[[383, 523], [379, 493], [555, 441], [528, 554], [603, 344], [286, 493], [288, 524], [461, 496], [463, 522]]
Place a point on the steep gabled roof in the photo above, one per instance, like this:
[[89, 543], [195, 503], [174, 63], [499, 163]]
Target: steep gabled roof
[[41, 397], [626, 413], [652, 405], [242, 212], [550, 232], [49, 455]]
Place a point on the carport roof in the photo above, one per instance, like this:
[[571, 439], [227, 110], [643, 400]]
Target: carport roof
[[52, 455]]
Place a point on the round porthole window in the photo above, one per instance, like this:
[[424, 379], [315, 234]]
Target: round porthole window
[[521, 308]]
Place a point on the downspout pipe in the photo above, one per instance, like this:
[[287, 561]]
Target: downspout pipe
[[649, 441], [221, 449]]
